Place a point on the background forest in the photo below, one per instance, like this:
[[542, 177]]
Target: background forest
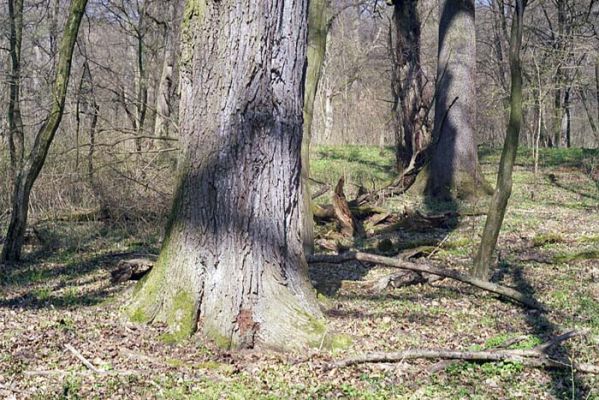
[[120, 126], [99, 209]]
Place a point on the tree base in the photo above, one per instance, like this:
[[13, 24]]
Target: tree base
[[280, 319], [464, 186]]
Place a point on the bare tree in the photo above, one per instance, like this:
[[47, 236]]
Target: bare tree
[[503, 190], [28, 169]]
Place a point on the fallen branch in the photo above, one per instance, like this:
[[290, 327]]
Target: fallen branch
[[528, 358], [536, 351], [60, 372], [83, 360], [407, 265], [533, 358], [485, 285], [320, 192]]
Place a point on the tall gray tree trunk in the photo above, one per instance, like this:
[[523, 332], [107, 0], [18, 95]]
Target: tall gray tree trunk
[[32, 165], [232, 264], [503, 191], [454, 169]]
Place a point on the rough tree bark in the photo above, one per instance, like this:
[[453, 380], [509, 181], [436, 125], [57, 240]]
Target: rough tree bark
[[32, 165], [454, 170], [318, 17], [412, 95], [232, 263], [482, 261]]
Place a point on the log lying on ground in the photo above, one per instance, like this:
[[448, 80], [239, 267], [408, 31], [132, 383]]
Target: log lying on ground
[[538, 360], [133, 269], [407, 265], [532, 358], [326, 211]]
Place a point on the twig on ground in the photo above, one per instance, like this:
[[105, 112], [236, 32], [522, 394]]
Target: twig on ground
[[83, 360], [60, 372]]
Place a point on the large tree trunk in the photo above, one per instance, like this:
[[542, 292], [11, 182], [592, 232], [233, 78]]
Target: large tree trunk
[[318, 17], [503, 190], [454, 168], [32, 166], [232, 264]]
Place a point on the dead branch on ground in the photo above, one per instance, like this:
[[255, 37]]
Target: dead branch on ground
[[428, 269], [531, 358]]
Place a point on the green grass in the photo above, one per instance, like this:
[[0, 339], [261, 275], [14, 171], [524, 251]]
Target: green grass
[[367, 166], [548, 157]]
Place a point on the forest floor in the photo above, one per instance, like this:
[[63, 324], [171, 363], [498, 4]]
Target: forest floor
[[61, 296]]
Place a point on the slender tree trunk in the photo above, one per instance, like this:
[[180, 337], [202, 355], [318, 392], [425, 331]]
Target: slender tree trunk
[[454, 169], [597, 84], [566, 121], [557, 116], [558, 105], [141, 98], [92, 145], [16, 139], [164, 97], [32, 166], [585, 103], [503, 189], [318, 17], [232, 263]]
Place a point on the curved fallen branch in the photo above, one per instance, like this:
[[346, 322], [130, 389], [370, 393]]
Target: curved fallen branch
[[407, 265], [530, 358]]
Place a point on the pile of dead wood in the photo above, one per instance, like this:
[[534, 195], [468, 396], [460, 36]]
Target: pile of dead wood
[[358, 218]]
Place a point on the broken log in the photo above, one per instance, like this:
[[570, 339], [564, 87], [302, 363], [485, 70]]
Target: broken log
[[342, 212], [133, 269], [423, 268]]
